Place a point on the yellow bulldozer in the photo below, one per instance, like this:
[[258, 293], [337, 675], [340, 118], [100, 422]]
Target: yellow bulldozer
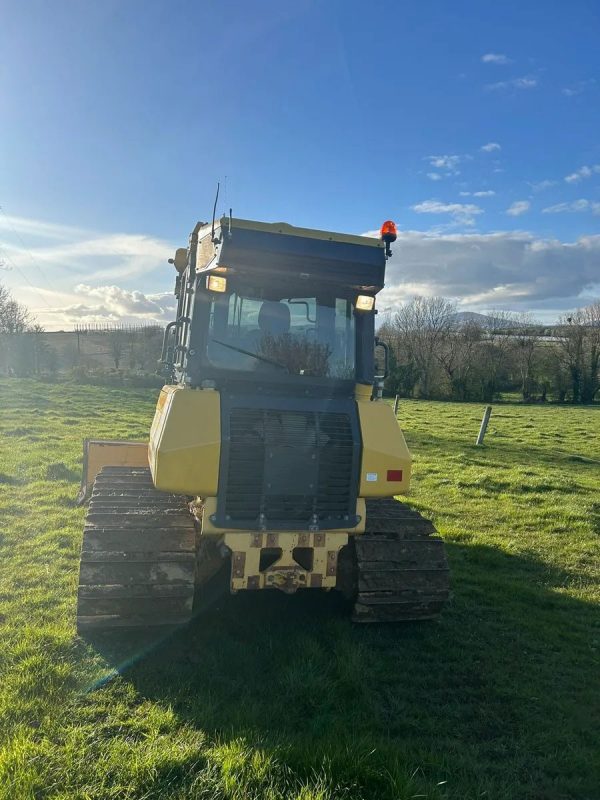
[[272, 457]]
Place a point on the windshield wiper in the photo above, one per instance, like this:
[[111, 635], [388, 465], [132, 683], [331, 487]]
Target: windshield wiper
[[251, 354]]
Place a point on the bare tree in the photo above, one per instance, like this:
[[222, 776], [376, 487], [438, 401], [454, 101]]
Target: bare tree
[[435, 355], [525, 349], [422, 325], [15, 348], [145, 349], [14, 317], [117, 341], [494, 360], [579, 351], [458, 355]]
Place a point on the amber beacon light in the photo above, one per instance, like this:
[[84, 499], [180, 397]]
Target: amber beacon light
[[389, 234]]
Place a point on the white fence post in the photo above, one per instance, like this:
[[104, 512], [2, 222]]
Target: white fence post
[[484, 423]]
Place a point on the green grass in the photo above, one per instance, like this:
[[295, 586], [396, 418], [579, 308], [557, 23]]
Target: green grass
[[269, 696]]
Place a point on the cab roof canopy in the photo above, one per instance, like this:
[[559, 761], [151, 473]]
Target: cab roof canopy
[[280, 250]]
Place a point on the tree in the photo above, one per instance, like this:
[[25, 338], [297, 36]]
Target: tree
[[404, 374], [579, 351], [43, 354], [421, 325], [146, 348], [495, 355], [14, 317], [458, 355], [525, 349], [117, 341], [16, 349]]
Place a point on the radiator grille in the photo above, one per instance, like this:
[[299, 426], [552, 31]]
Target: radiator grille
[[289, 466]]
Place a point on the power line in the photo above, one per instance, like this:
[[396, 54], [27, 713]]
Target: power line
[[27, 250], [25, 278]]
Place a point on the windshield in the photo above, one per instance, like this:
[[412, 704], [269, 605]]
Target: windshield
[[309, 336]]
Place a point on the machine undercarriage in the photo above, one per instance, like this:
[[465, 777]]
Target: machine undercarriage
[[144, 559]]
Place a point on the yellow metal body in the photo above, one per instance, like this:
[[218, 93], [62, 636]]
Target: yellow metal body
[[384, 449], [317, 569], [184, 457], [185, 441], [184, 454], [285, 572]]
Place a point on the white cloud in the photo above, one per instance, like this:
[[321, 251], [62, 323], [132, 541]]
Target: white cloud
[[518, 207], [490, 147], [54, 257], [583, 172], [483, 193], [95, 304], [577, 88], [38, 229], [525, 82], [67, 251], [542, 185], [434, 176], [448, 164], [495, 58], [445, 162], [122, 301], [462, 213], [574, 207], [513, 269]]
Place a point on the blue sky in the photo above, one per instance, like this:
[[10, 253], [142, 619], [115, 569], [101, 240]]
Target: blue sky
[[474, 124]]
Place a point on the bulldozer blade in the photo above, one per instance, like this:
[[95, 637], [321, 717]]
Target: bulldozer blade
[[98, 453]]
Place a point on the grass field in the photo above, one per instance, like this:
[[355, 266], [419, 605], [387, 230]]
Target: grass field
[[277, 697]]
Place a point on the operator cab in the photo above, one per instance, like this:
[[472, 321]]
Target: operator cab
[[276, 306], [297, 333]]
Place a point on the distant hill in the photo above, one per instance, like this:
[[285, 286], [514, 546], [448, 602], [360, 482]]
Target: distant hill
[[495, 323], [481, 319]]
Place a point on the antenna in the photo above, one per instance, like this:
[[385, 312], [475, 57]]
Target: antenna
[[212, 234], [230, 220]]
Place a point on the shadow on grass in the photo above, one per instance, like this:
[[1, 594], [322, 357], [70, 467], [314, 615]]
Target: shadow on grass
[[60, 472], [9, 480], [499, 693]]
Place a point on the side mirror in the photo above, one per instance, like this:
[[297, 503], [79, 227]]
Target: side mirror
[[180, 260], [381, 360]]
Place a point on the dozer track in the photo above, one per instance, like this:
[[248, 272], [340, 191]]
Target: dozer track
[[138, 554], [138, 559], [400, 570]]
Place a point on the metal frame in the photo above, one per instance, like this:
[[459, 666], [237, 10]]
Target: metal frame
[[270, 403]]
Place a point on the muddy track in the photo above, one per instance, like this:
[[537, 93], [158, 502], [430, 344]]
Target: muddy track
[[138, 554], [399, 566], [138, 559]]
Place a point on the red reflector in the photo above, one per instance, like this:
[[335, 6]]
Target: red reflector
[[394, 474]]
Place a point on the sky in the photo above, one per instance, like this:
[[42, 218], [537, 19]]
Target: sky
[[475, 125]]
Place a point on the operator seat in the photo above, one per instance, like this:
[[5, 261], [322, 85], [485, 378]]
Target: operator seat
[[274, 318], [273, 321]]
